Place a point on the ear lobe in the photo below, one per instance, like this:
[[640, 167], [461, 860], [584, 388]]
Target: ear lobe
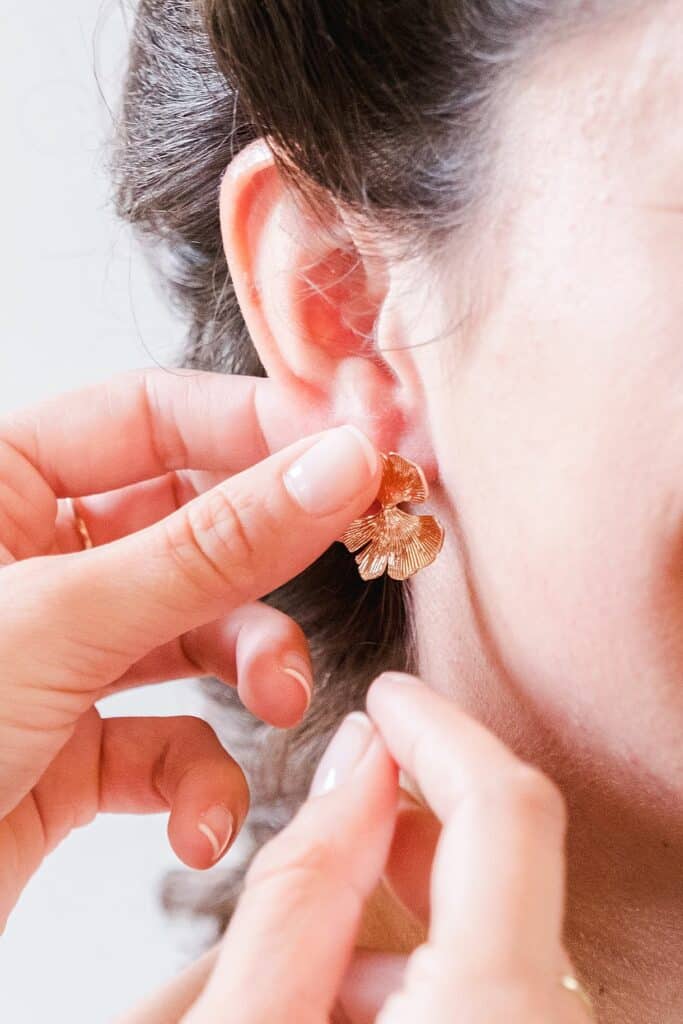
[[311, 303]]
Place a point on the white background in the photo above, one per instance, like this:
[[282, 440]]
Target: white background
[[88, 937]]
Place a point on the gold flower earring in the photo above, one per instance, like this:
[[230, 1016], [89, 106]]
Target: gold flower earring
[[392, 540]]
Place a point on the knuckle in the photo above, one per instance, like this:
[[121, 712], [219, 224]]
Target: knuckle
[[190, 729], [210, 541], [167, 442], [301, 861], [301, 866], [524, 792], [280, 627], [434, 977], [36, 592]]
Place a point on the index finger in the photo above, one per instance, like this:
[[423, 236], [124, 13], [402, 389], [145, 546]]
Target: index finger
[[145, 423], [499, 867], [105, 608], [303, 898]]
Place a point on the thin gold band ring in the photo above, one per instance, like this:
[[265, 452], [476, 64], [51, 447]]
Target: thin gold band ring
[[81, 528]]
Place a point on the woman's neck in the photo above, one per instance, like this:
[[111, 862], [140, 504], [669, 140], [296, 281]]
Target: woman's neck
[[625, 939], [624, 922]]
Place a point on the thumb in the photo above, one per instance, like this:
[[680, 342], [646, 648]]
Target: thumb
[[292, 936]]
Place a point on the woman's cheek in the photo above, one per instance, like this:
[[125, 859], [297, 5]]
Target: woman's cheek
[[570, 512]]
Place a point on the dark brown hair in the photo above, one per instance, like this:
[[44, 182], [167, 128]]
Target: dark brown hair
[[385, 106]]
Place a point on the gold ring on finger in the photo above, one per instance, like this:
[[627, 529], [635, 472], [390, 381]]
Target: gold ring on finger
[[79, 526]]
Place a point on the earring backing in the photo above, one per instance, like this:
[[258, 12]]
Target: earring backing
[[391, 540]]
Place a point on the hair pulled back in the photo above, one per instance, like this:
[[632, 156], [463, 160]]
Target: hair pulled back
[[385, 106]]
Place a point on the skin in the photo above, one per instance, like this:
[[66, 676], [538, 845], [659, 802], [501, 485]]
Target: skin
[[81, 622], [166, 590], [560, 448], [547, 426]]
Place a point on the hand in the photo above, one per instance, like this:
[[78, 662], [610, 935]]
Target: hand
[[166, 592], [494, 951]]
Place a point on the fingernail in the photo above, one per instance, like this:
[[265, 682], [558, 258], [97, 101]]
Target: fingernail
[[345, 751], [217, 825], [403, 678], [297, 668], [331, 473]]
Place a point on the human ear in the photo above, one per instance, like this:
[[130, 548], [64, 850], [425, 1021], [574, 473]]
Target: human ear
[[313, 299]]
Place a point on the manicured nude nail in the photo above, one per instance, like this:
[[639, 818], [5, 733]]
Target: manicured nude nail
[[297, 668], [331, 474], [217, 825], [403, 678], [344, 753]]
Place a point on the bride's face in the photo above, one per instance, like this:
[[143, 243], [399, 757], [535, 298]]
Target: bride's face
[[557, 413]]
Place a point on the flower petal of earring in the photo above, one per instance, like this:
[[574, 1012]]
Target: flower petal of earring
[[391, 540]]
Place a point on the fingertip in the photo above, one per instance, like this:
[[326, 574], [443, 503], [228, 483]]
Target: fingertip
[[208, 811], [357, 754], [217, 825], [387, 682], [353, 740], [369, 450], [298, 696], [379, 762], [400, 678], [339, 470], [202, 839], [275, 686]]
